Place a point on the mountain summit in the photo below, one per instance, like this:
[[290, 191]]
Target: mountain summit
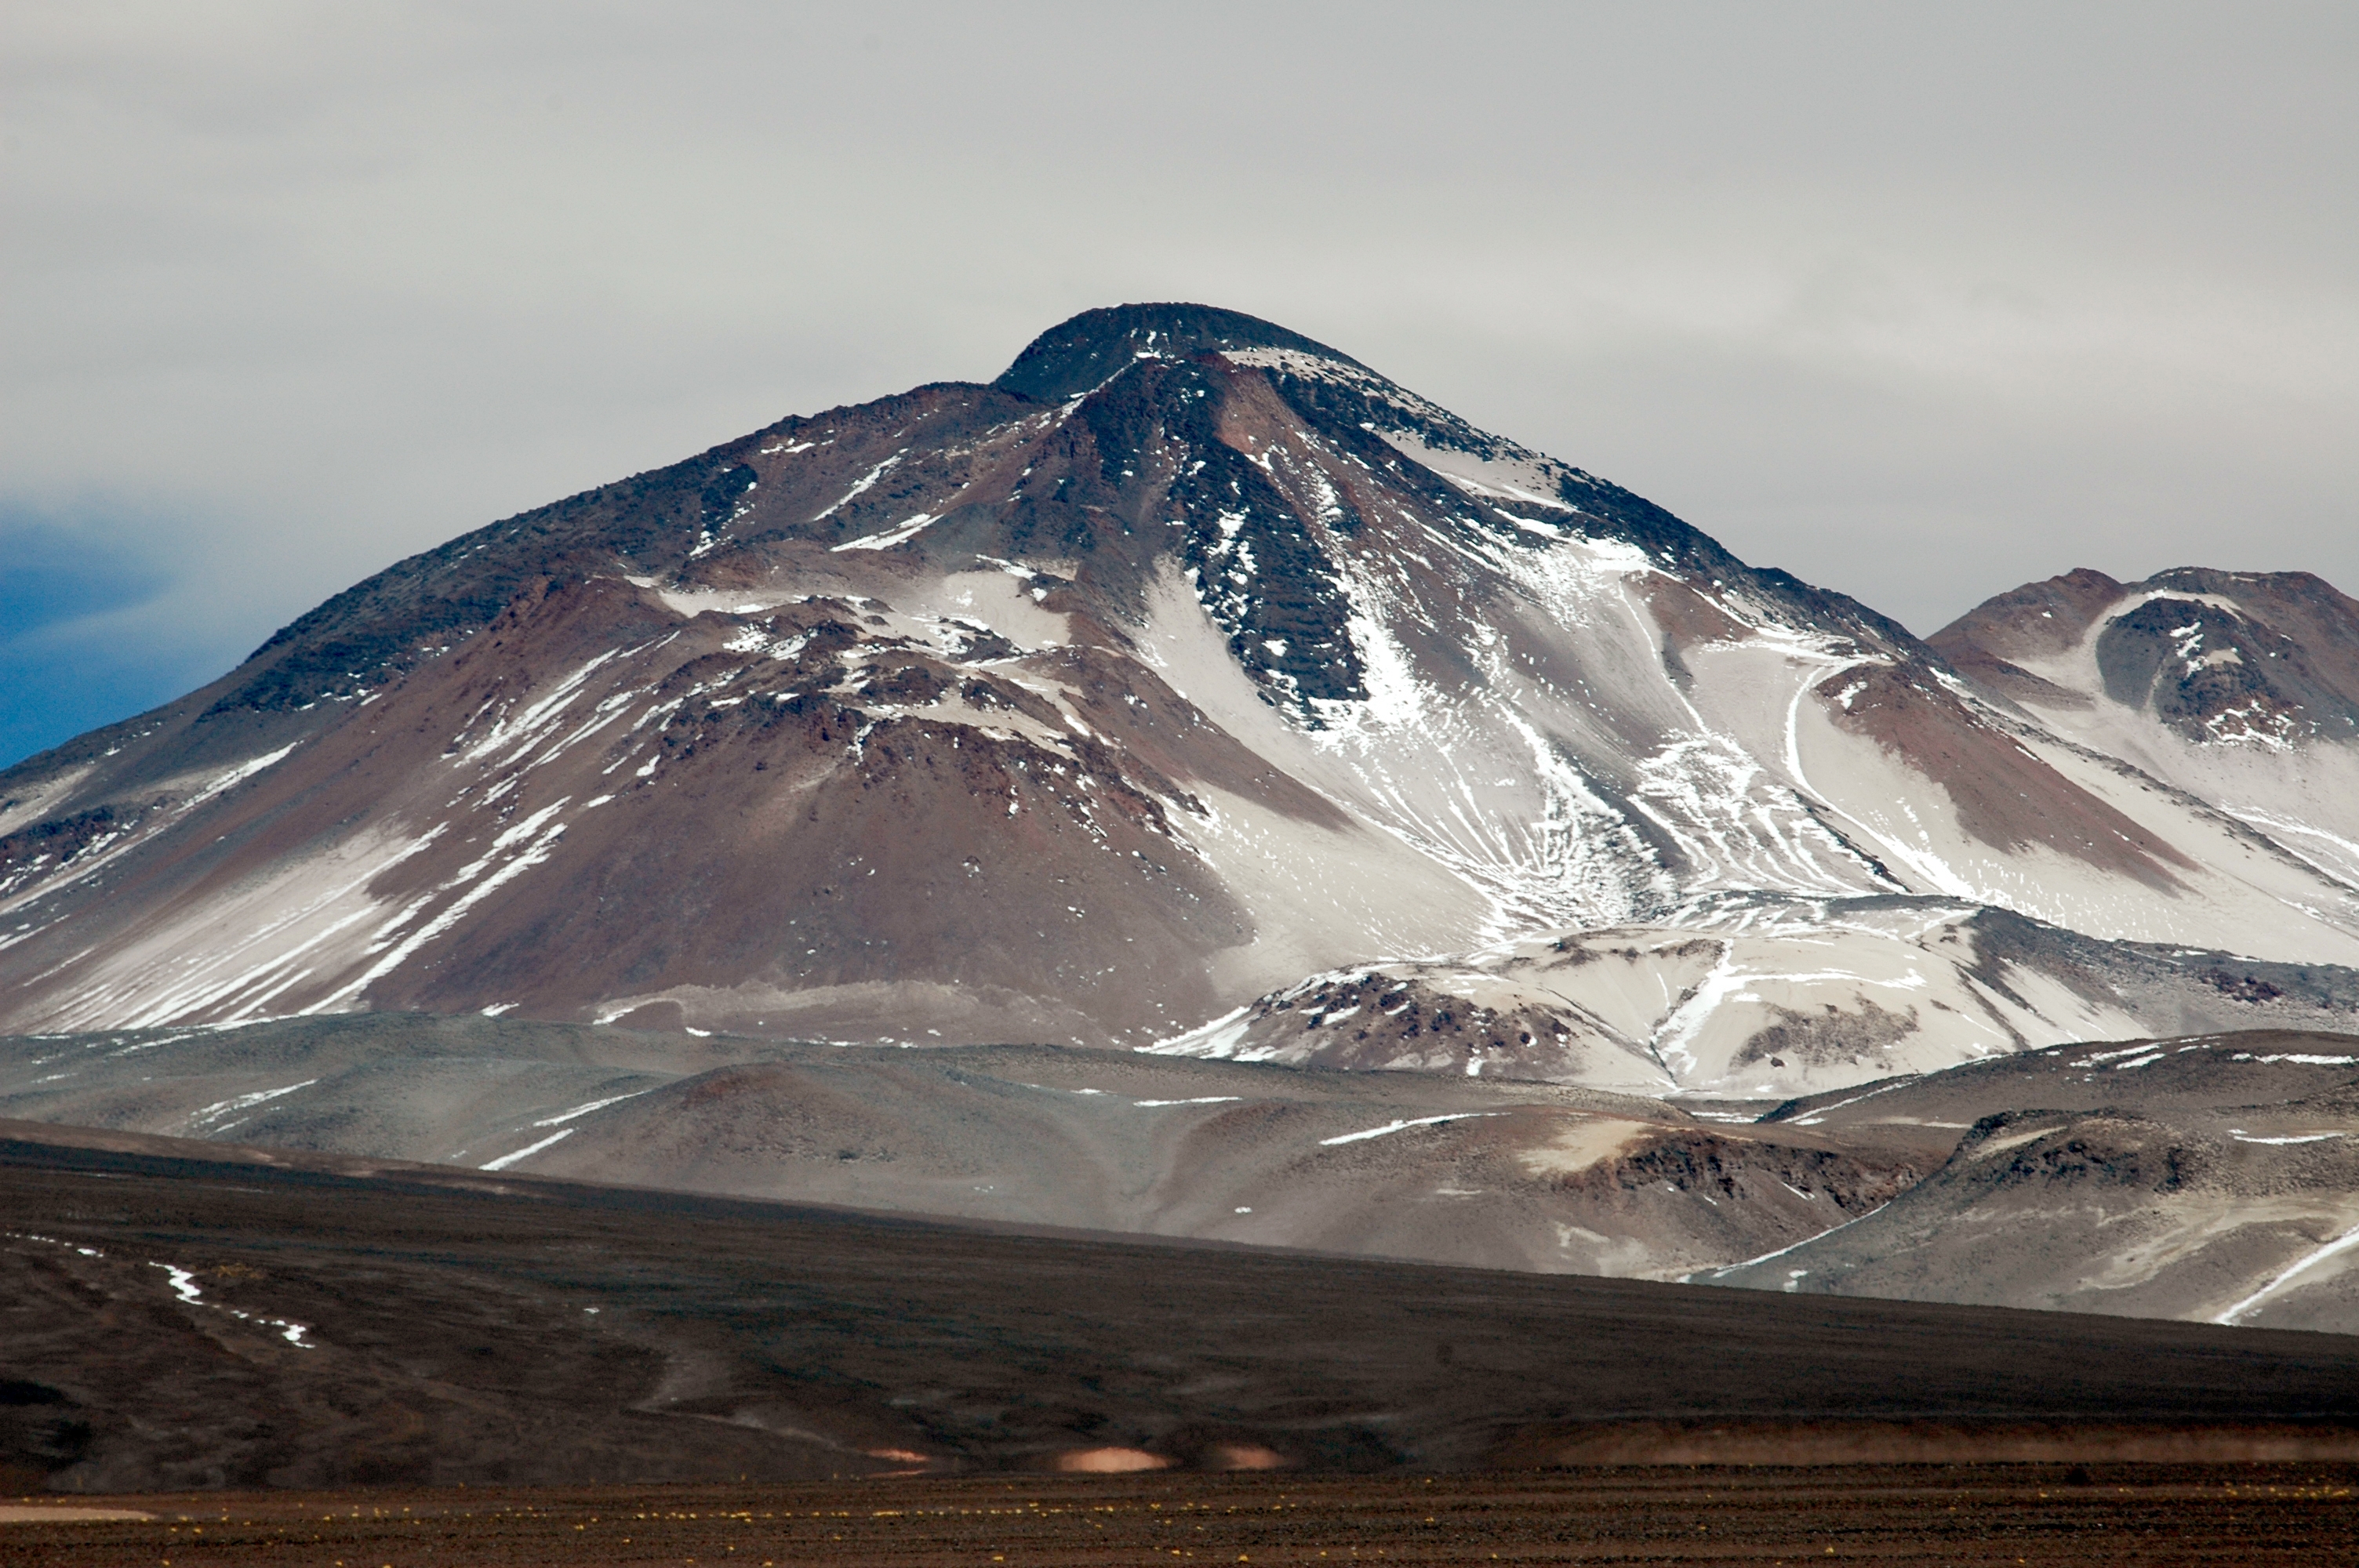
[[1192, 686], [1080, 355]]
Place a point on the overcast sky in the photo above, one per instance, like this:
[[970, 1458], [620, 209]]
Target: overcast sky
[[1919, 302]]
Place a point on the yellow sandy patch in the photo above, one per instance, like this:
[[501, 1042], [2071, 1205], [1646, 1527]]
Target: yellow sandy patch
[[1110, 1461], [1246, 1456], [1583, 1144]]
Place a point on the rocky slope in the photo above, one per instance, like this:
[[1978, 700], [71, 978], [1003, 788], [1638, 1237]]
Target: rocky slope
[[2214, 1178], [1188, 659]]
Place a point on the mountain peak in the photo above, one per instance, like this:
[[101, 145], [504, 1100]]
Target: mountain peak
[[1077, 354]]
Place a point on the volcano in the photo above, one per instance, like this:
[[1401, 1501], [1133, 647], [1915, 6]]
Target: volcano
[[1194, 687]]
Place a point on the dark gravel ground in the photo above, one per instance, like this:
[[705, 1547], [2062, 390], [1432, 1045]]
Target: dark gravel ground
[[456, 1327], [2146, 1515]]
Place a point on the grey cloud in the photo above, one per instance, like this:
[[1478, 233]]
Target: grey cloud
[[1920, 304]]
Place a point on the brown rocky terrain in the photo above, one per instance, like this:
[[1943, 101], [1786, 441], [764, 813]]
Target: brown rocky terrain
[[2215, 656], [1489, 1172]]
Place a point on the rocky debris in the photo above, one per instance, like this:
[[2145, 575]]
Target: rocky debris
[[1377, 1022], [1828, 1034], [52, 844]]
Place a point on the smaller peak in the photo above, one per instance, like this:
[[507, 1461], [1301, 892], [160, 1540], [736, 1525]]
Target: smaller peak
[[2213, 580], [2088, 579], [1074, 356]]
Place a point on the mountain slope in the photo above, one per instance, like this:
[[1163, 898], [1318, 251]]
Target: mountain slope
[[2240, 687], [1188, 659]]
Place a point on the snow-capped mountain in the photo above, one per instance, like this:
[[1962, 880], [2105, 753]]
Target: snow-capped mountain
[[1188, 659]]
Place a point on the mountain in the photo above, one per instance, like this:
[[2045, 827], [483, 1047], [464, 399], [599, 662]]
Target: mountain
[[2239, 688], [1188, 676]]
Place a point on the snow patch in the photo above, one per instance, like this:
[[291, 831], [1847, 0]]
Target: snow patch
[[900, 533], [504, 1160], [1389, 1128]]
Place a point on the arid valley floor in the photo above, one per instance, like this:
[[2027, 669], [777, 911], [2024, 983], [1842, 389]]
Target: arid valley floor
[[298, 1360], [2150, 1516]]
